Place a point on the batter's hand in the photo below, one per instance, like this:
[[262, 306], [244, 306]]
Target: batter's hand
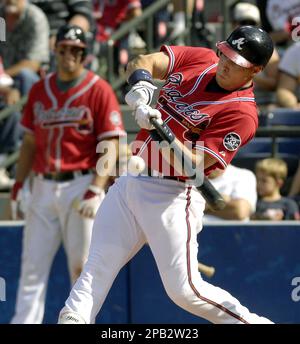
[[142, 115], [90, 202], [140, 93], [15, 199]]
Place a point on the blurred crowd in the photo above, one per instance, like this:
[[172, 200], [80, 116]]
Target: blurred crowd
[[27, 55]]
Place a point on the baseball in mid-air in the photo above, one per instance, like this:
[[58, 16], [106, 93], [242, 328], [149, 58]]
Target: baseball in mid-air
[[136, 165]]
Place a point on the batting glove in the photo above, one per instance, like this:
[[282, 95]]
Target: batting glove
[[142, 115], [140, 93], [15, 199], [91, 201]]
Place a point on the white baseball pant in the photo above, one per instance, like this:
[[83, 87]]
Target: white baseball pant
[[168, 216]]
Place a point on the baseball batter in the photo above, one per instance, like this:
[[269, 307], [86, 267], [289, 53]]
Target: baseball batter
[[206, 99], [66, 115]]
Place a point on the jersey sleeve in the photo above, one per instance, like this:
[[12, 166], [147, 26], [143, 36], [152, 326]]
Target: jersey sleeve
[[185, 57], [225, 135], [108, 118]]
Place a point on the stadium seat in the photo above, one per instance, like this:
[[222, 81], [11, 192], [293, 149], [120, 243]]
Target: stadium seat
[[248, 161], [288, 145], [257, 145], [283, 116], [283, 145]]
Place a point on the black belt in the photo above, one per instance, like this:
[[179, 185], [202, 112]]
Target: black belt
[[64, 176]]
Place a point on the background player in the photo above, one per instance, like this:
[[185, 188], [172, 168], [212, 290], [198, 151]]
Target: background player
[[65, 117], [203, 99]]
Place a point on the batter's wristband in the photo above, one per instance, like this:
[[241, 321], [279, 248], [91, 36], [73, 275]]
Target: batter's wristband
[[140, 75], [163, 133]]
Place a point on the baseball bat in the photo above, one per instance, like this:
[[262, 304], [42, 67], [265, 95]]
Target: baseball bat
[[208, 271], [207, 190]]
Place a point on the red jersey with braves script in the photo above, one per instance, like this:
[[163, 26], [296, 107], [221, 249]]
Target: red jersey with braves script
[[213, 121], [109, 14], [68, 125]]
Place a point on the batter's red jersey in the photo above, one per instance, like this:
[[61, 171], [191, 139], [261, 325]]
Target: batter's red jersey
[[217, 122], [68, 125], [109, 14]]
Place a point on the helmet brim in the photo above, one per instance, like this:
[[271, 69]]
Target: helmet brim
[[71, 43], [233, 55]]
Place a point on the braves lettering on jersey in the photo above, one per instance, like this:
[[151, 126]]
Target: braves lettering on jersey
[[68, 125], [215, 122]]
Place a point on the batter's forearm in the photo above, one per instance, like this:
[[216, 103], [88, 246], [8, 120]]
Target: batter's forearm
[[286, 98], [156, 64]]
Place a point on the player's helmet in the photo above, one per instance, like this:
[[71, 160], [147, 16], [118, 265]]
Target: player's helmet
[[248, 46], [71, 35]]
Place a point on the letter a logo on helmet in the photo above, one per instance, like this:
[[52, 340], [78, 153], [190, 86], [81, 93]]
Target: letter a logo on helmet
[[239, 42], [71, 34], [248, 46]]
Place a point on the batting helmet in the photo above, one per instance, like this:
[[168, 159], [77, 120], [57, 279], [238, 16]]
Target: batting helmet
[[248, 46], [71, 35]]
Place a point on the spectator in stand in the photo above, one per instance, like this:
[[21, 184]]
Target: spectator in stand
[[170, 24], [26, 46], [109, 16], [282, 16], [295, 187], [22, 53], [61, 12], [182, 10], [161, 20], [9, 132], [238, 188], [270, 175], [289, 78], [73, 12]]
